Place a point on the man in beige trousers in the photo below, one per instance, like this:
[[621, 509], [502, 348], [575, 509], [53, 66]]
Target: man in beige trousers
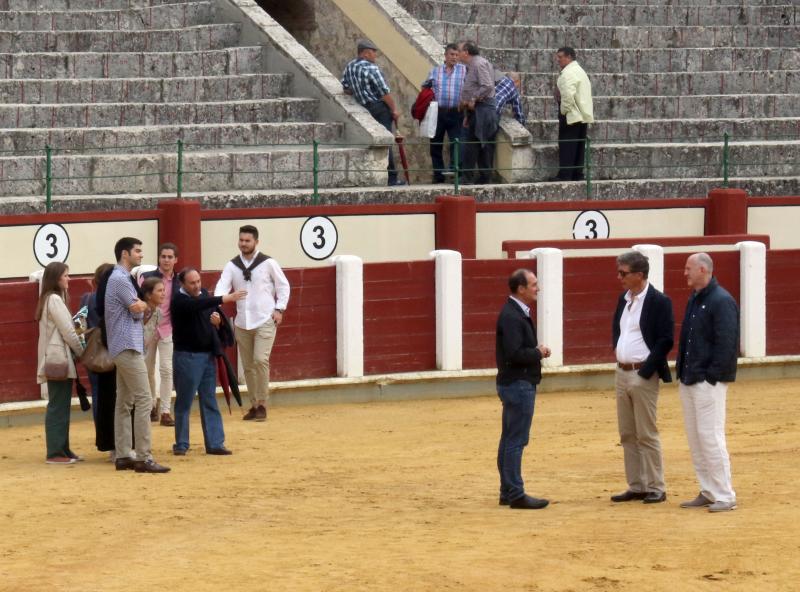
[[257, 316], [642, 336]]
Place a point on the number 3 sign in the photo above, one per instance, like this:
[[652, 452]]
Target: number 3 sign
[[51, 243], [590, 224], [319, 237]]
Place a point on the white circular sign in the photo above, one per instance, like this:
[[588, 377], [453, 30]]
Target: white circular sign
[[319, 237], [591, 224], [51, 243]]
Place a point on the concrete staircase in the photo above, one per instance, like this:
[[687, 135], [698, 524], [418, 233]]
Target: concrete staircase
[[112, 85], [669, 79]]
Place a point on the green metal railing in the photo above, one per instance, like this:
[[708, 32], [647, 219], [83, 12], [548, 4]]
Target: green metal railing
[[591, 169]]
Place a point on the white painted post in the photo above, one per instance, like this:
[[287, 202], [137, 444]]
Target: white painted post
[[448, 309], [753, 296], [655, 256], [36, 276], [550, 303], [349, 315]]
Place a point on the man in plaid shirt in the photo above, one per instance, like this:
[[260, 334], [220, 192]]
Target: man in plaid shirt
[[506, 90], [363, 79], [446, 80]]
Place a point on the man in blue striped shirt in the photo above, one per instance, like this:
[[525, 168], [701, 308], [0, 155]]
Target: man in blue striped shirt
[[447, 80], [363, 79], [506, 90], [123, 314]]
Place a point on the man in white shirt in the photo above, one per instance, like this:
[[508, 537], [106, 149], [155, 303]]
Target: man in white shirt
[[257, 316], [642, 336]]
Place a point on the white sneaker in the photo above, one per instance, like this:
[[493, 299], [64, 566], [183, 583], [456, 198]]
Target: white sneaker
[[722, 506]]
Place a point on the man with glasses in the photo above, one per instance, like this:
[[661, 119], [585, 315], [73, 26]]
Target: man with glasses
[[642, 336]]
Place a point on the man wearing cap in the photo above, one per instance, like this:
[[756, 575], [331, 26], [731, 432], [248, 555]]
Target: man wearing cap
[[506, 92], [364, 81]]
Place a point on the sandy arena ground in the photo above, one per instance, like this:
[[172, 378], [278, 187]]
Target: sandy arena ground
[[403, 496]]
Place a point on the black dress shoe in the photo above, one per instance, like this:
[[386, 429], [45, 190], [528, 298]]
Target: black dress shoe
[[527, 502], [503, 502], [655, 497], [219, 451], [179, 451], [124, 464], [149, 466], [628, 496]]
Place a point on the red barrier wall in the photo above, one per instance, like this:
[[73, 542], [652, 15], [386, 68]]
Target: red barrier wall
[[783, 302], [399, 317], [591, 289], [484, 291]]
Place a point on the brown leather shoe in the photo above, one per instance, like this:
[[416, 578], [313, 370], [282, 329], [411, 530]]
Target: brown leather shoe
[[154, 414], [149, 466], [261, 413], [250, 415], [124, 464], [166, 420]]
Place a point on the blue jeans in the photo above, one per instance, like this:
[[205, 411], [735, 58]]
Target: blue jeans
[[450, 122], [518, 400], [196, 373]]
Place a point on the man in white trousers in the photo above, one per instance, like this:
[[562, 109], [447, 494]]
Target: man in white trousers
[[709, 346]]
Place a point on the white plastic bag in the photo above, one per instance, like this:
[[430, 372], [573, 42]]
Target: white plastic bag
[[427, 127]]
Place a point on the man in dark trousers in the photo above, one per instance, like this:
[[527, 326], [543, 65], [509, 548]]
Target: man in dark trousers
[[642, 336], [519, 370], [195, 320], [706, 363]]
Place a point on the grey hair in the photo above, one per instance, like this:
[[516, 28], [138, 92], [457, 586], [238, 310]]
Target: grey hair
[[705, 260], [636, 261]]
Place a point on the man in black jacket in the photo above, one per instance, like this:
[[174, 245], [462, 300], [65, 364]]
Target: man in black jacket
[[194, 322], [707, 354], [642, 336], [519, 370]]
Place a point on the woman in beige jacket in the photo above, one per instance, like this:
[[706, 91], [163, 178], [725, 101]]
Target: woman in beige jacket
[[56, 337]]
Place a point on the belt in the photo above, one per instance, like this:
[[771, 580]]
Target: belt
[[445, 109], [629, 367]]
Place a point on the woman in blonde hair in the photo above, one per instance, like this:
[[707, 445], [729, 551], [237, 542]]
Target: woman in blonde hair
[[55, 366]]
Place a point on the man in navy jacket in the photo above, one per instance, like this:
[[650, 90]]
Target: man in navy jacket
[[519, 370], [707, 354], [642, 336]]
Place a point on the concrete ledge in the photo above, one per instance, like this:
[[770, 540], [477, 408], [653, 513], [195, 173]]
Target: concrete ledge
[[423, 385]]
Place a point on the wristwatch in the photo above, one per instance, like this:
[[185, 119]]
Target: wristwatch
[[280, 310]]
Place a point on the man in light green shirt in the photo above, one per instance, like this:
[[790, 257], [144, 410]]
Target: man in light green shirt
[[574, 96]]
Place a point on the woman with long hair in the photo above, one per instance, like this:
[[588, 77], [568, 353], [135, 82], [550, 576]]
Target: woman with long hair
[[55, 366]]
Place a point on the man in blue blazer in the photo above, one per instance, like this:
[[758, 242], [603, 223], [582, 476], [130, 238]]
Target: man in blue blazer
[[642, 336]]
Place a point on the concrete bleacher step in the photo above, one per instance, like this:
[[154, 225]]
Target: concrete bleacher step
[[163, 16], [235, 169], [528, 36], [163, 138], [230, 61], [200, 37], [679, 160], [680, 59], [676, 107], [145, 90], [675, 83], [668, 130], [283, 109], [630, 13], [51, 5]]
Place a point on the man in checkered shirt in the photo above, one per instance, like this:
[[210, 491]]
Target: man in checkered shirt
[[363, 79], [506, 91]]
